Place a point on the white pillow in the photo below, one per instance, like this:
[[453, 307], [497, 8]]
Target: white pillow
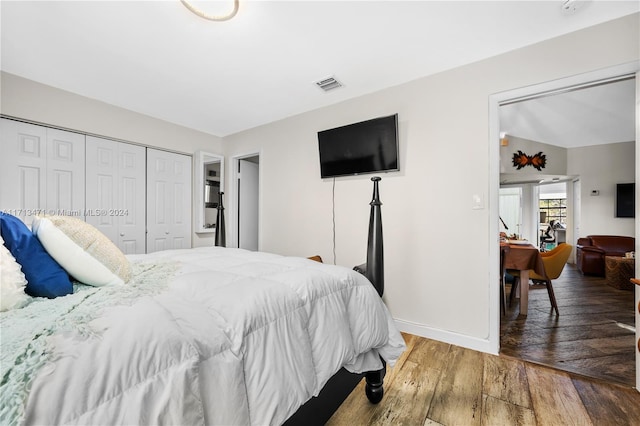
[[82, 250], [12, 281]]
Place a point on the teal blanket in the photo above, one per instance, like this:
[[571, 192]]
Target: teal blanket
[[25, 332]]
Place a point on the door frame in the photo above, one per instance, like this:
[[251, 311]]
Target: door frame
[[495, 101], [232, 235]]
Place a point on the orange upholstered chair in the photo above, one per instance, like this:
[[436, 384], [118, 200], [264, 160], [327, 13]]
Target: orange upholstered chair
[[554, 262]]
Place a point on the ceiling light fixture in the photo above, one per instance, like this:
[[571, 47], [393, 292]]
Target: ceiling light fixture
[[200, 13]]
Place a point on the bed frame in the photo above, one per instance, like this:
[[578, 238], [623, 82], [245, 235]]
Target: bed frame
[[318, 410], [220, 238], [374, 271]]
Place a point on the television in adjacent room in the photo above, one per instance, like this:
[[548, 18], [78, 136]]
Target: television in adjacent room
[[366, 147], [625, 200]]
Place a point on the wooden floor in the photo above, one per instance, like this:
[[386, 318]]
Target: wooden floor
[[435, 383], [593, 335]]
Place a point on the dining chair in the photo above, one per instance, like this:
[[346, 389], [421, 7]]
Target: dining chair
[[554, 261]]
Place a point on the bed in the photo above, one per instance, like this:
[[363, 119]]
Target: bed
[[197, 336]]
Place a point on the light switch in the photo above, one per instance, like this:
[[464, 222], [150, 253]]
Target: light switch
[[477, 202]]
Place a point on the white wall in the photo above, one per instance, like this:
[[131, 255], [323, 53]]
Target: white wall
[[600, 168], [437, 248], [29, 100]]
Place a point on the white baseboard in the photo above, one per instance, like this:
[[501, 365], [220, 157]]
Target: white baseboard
[[482, 345]]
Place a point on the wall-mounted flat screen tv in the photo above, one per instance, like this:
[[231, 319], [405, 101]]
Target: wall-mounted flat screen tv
[[626, 200], [366, 147]]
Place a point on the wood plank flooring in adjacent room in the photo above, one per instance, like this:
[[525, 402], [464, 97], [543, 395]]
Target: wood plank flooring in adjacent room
[[593, 336], [435, 383]]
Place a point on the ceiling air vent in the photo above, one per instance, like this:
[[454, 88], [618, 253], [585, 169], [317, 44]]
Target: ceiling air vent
[[329, 83]]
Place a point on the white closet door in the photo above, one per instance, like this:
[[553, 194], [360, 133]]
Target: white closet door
[[65, 173], [23, 169], [41, 171], [168, 200], [116, 192], [132, 200], [102, 160]]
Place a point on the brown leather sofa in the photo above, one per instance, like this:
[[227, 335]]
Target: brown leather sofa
[[591, 250]]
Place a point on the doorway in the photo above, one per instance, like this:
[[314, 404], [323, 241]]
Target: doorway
[[627, 71], [246, 203]]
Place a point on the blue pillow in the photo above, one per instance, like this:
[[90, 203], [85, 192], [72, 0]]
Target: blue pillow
[[45, 278]]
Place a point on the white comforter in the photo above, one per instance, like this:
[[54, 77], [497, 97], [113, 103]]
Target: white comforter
[[237, 338]]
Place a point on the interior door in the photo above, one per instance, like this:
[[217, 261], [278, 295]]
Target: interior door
[[168, 200], [248, 205]]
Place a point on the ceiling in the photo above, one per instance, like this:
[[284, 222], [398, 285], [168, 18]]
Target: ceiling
[[597, 115], [159, 59]]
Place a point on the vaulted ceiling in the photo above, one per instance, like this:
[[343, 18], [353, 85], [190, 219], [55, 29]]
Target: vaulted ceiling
[[596, 115]]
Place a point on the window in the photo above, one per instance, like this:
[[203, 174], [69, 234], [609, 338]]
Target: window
[[554, 208]]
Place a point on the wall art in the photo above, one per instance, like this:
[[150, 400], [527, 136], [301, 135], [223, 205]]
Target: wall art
[[520, 160]]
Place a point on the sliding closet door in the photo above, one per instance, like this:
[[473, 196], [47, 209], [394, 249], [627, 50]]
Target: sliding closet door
[[168, 200], [116, 192]]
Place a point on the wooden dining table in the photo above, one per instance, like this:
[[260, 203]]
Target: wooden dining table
[[523, 257]]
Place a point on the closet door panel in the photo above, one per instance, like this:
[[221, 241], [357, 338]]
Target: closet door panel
[[30, 187], [60, 198], [131, 213], [158, 208], [169, 200], [131, 222], [116, 192], [65, 173], [23, 169], [101, 155], [104, 191], [181, 203]]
